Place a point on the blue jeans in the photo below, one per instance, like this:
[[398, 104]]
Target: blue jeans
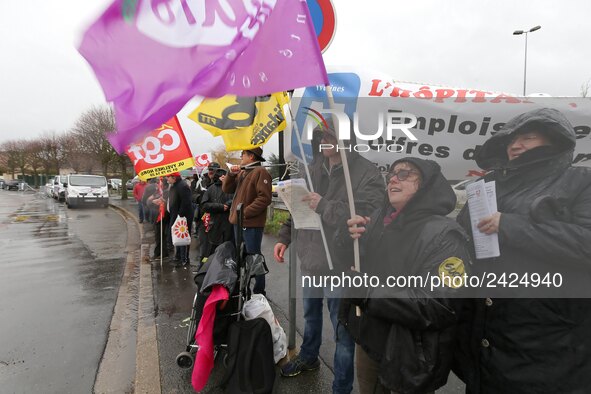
[[345, 346], [140, 211], [182, 253], [253, 238]]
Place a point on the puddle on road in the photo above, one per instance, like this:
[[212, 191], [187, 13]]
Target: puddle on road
[[37, 213], [34, 218]]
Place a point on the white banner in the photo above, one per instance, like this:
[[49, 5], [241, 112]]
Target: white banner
[[451, 123]]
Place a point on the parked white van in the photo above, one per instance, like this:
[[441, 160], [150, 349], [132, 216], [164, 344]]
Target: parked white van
[[59, 191], [49, 187], [86, 190]]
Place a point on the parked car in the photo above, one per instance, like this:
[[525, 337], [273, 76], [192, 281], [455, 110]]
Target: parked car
[[49, 187], [13, 184], [460, 190], [114, 184], [59, 190], [131, 183], [86, 190]]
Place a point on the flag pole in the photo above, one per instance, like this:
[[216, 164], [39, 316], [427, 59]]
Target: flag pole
[[161, 226], [347, 174]]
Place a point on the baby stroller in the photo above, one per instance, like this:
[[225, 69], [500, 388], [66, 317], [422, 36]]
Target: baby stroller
[[232, 267]]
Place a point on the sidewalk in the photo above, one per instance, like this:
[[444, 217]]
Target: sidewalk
[[174, 290]]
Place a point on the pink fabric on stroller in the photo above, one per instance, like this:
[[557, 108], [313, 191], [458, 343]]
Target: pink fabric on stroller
[[204, 338]]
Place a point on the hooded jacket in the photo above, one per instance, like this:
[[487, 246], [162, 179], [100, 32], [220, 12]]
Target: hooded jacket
[[220, 229], [410, 331], [534, 345], [179, 201], [368, 193]]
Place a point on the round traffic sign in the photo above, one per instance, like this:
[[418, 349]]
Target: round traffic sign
[[325, 22]]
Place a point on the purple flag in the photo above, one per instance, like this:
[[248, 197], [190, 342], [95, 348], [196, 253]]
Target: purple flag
[[152, 56]]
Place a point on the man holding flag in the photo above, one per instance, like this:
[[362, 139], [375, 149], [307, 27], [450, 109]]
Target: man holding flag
[[330, 202], [251, 184]]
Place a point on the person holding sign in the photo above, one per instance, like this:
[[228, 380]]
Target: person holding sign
[[406, 333], [330, 202], [538, 339]]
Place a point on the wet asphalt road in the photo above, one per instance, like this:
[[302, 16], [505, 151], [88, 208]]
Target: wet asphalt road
[[60, 272]]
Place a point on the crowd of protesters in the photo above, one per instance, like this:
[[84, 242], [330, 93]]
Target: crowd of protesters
[[408, 340], [205, 202]]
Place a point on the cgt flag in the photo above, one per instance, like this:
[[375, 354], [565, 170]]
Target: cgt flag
[[162, 152], [203, 160], [243, 122], [152, 56]]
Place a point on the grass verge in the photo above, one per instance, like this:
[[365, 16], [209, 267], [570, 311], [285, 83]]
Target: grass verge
[[279, 217]]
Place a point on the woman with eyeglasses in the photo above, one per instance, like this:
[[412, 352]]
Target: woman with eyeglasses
[[405, 329]]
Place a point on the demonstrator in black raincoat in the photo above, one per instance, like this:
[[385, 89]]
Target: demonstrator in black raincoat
[[406, 333], [216, 204], [541, 344]]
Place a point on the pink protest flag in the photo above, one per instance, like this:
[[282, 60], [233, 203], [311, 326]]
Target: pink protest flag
[[152, 56]]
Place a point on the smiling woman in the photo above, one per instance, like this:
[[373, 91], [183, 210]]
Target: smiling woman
[[410, 236], [403, 182]]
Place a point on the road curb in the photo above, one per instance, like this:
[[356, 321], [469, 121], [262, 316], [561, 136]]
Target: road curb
[[116, 372], [147, 376]]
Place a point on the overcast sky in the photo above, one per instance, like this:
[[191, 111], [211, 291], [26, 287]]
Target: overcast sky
[[45, 84]]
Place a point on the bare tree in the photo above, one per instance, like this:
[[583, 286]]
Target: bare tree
[[91, 131], [585, 88], [20, 155], [10, 157], [34, 159], [52, 151], [74, 156], [221, 156], [124, 162]]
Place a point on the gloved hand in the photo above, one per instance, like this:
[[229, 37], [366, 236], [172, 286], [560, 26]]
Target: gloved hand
[[356, 295]]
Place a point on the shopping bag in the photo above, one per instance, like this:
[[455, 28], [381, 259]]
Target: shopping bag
[[258, 306], [180, 232]]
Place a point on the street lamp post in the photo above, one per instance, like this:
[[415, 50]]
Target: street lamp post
[[520, 32]]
